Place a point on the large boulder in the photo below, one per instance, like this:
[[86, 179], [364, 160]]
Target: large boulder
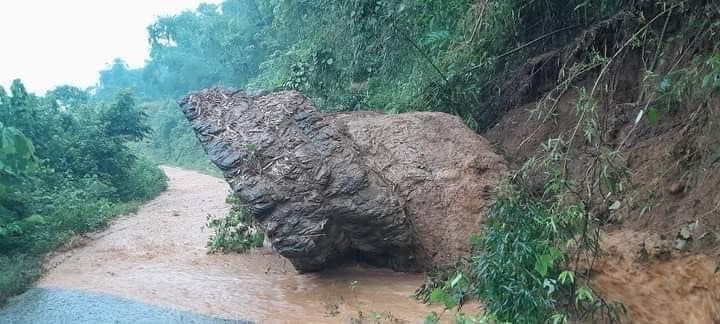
[[403, 191]]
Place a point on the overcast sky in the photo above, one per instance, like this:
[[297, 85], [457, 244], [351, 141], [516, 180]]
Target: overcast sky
[[51, 42]]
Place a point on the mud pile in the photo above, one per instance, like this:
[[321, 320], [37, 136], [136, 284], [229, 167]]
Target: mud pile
[[402, 191]]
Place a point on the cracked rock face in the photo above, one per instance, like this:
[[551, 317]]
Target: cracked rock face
[[402, 191]]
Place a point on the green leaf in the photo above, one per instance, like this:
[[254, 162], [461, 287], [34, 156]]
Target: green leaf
[[440, 296], [432, 318], [555, 253], [542, 264], [558, 319], [567, 276], [455, 280], [652, 115], [16, 152], [582, 294]]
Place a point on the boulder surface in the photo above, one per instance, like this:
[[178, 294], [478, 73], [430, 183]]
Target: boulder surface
[[403, 191]]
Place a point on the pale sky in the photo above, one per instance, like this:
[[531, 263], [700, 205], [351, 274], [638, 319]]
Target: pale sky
[[52, 42]]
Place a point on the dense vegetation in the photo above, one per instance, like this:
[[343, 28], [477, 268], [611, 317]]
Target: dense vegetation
[[65, 170], [171, 140], [391, 56]]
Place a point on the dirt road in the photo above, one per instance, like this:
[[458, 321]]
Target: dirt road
[[158, 257]]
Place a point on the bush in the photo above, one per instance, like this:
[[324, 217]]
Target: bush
[[145, 182], [234, 233], [521, 257], [521, 267]]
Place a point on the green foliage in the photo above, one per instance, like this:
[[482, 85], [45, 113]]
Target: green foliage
[[116, 78], [672, 91], [453, 292], [123, 119], [461, 318], [65, 170], [522, 265], [534, 239], [539, 231], [521, 259], [392, 56], [17, 154], [403, 55], [69, 97], [711, 80], [145, 181], [172, 141], [431, 318], [236, 232]]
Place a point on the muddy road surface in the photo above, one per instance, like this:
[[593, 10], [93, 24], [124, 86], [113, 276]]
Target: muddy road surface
[[153, 266]]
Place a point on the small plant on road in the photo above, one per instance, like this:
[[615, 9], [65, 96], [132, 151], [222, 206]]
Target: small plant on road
[[236, 232]]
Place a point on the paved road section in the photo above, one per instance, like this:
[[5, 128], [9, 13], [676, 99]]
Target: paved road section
[[70, 306]]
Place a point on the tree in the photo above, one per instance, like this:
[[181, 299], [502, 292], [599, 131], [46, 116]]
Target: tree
[[69, 97], [17, 154], [17, 160], [118, 77], [123, 120], [18, 92]]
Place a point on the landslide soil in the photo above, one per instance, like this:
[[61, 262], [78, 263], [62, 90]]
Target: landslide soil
[[158, 257], [661, 248]]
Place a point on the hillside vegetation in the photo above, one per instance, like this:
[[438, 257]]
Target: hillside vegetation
[[389, 56]]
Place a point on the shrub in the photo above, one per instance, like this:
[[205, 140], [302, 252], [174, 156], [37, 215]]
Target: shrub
[[235, 232], [145, 182], [521, 257]]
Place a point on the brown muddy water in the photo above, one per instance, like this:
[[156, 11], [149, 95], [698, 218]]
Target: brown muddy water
[[158, 257], [683, 288]]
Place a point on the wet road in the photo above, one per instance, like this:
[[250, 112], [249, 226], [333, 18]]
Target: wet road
[[153, 267], [67, 306]]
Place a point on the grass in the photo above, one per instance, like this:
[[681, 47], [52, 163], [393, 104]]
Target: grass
[[22, 267], [17, 273]]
